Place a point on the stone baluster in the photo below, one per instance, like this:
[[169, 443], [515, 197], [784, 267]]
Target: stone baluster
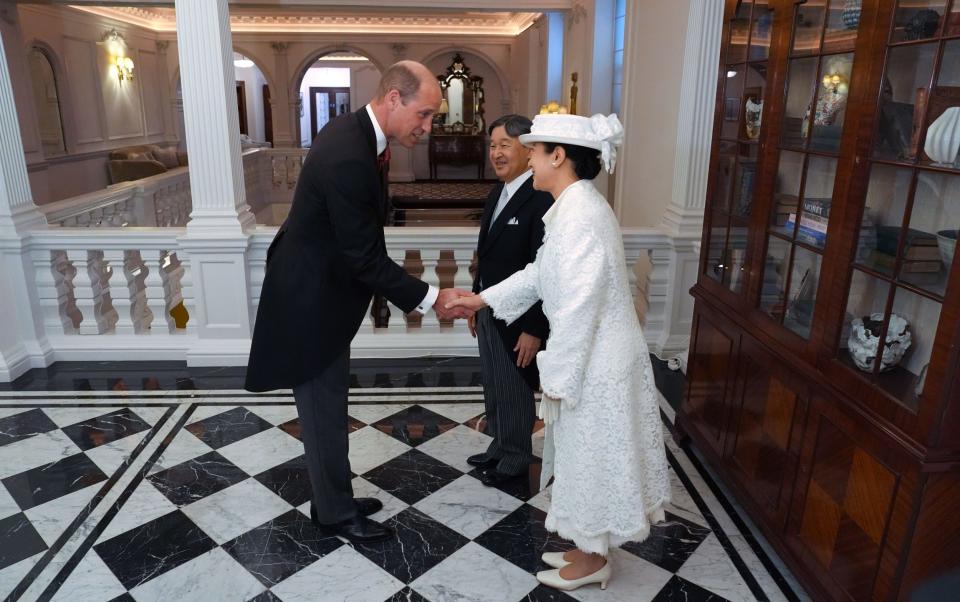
[[431, 260], [156, 295], [83, 293], [121, 289]]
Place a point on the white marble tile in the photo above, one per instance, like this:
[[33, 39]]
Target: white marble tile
[[111, 456], [207, 577], [468, 506], [91, 581], [633, 579], [343, 574], [364, 488], [459, 412], [150, 415], [38, 450], [474, 574], [541, 500], [760, 573], [235, 510], [266, 449], [143, 506], [185, 446], [52, 518], [275, 414], [67, 416], [10, 576], [372, 412], [710, 567], [203, 412], [681, 503], [456, 445], [8, 506], [370, 448]]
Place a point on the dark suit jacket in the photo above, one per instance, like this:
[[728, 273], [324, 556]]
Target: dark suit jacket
[[507, 248], [327, 260]]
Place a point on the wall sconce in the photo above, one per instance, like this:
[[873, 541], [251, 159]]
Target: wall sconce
[[241, 62], [124, 67], [833, 81], [553, 107]]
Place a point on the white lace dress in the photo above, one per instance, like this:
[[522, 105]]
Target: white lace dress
[[610, 467]]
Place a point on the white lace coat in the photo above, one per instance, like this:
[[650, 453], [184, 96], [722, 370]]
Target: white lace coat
[[610, 467]]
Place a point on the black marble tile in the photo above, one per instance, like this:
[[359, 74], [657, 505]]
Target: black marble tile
[[420, 544], [124, 598], [25, 424], [522, 538], [523, 486], [292, 428], [228, 427], [18, 540], [289, 481], [542, 593], [147, 551], [267, 596], [412, 476], [679, 589], [670, 543], [406, 595], [196, 479], [281, 547], [51, 481], [106, 429], [414, 425]]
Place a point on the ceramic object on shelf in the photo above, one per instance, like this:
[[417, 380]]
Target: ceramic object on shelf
[[943, 138], [851, 14], [947, 242], [865, 338]]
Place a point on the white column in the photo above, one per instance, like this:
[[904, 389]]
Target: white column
[[683, 218], [217, 234], [22, 345], [283, 137]]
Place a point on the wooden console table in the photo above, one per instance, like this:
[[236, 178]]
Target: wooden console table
[[458, 149]]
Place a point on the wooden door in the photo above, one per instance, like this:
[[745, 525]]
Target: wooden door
[[267, 115], [242, 105]]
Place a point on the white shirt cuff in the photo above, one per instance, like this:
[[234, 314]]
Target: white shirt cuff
[[429, 300]]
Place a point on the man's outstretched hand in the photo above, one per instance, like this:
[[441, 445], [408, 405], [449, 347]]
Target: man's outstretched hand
[[447, 311], [466, 302]]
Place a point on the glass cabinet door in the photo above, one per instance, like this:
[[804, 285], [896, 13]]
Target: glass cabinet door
[[911, 218], [819, 71], [744, 76]]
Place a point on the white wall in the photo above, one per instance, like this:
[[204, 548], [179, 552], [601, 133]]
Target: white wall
[[253, 85], [99, 112]]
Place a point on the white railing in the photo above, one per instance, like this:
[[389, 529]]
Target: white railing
[[163, 200], [127, 293]]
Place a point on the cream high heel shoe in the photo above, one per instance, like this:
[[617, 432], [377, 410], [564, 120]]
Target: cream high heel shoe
[[554, 559], [554, 580]]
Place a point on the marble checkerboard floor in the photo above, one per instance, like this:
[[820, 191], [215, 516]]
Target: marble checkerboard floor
[[203, 495]]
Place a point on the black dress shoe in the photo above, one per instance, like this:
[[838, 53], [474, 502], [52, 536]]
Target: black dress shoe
[[482, 461], [493, 477], [365, 507], [358, 529]]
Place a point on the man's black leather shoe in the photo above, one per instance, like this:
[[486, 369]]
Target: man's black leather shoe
[[365, 507], [358, 529], [482, 461], [493, 477]]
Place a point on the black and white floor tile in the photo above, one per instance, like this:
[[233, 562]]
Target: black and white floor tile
[[169, 496]]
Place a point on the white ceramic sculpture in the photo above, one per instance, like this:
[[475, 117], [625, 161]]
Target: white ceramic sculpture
[[943, 138], [865, 338]]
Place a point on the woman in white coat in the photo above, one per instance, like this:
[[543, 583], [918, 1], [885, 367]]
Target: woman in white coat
[[599, 401]]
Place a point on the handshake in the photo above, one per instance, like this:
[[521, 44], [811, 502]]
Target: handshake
[[455, 303]]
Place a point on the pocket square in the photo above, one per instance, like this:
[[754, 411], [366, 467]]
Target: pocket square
[[513, 222]]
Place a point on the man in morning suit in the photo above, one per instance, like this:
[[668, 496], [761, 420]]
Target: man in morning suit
[[326, 263], [510, 234]]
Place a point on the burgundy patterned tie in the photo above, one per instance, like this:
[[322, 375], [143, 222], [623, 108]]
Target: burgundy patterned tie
[[379, 309]]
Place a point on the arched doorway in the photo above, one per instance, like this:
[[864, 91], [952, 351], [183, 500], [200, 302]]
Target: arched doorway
[[330, 85], [254, 110], [46, 98]]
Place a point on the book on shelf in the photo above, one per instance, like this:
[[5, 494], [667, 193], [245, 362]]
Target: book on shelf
[[886, 262], [808, 222], [917, 245], [817, 206]]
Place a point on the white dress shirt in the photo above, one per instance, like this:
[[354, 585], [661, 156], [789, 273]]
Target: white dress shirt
[[509, 189], [433, 292]]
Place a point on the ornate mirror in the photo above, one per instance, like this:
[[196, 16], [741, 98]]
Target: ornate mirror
[[462, 109]]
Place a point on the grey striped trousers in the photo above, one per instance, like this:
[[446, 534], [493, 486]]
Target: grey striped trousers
[[508, 400]]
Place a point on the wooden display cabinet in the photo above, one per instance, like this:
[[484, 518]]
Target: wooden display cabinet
[[824, 380]]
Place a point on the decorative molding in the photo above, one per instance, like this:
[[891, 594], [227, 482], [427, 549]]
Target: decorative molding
[[163, 19], [280, 47], [162, 46], [399, 51], [577, 13]]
